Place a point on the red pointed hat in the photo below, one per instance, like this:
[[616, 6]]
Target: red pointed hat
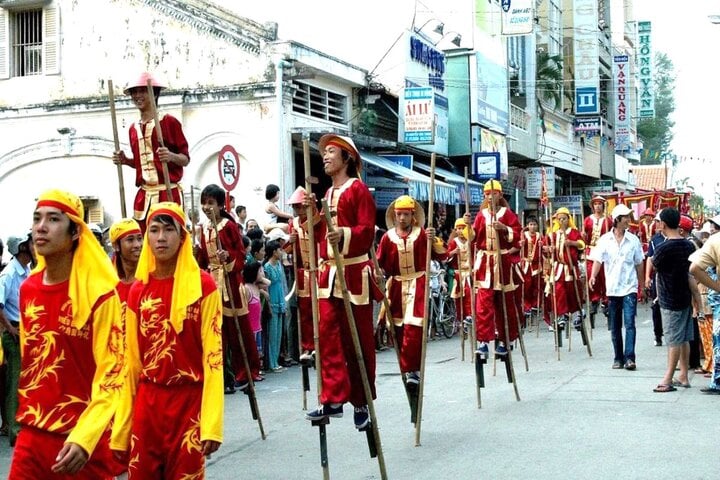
[[141, 81], [343, 143], [298, 196], [598, 199]]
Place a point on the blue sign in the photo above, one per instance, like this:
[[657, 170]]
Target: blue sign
[[487, 165], [492, 104], [586, 101], [402, 160]]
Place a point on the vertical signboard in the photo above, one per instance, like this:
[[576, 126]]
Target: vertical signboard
[[586, 48], [492, 99], [419, 116], [517, 17], [622, 117], [424, 72], [646, 96]]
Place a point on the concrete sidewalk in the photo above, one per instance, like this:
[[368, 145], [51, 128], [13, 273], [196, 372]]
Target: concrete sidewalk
[[577, 418]]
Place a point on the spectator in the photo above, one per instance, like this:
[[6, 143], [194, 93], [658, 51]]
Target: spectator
[[274, 271], [675, 289], [273, 214], [241, 214], [651, 284], [620, 253]]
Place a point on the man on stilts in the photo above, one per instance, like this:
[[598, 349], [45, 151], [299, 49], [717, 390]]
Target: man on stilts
[[496, 229], [353, 210], [531, 252], [402, 254], [149, 154], [596, 225], [460, 261]]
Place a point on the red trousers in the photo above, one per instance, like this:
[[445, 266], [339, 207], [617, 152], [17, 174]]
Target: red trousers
[[533, 290], [36, 450], [304, 306], [341, 380], [232, 341], [597, 294], [489, 314], [409, 340], [166, 433], [463, 308]]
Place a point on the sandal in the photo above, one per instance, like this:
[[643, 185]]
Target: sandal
[[663, 388], [700, 370], [678, 383]]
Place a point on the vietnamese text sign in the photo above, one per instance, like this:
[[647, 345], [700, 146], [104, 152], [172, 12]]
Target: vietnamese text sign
[[517, 17], [621, 72], [586, 47], [571, 202], [646, 96], [419, 115], [534, 181]]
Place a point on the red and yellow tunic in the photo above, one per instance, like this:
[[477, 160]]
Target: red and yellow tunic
[[70, 376], [531, 252], [646, 230], [158, 355], [301, 252], [148, 168], [565, 274], [497, 276]]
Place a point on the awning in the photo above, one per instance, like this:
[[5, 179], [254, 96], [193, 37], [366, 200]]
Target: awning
[[417, 183], [475, 188]]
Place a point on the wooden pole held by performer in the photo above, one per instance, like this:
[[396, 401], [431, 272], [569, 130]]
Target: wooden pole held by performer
[[340, 277], [116, 144], [423, 344], [305, 387], [161, 143], [312, 260]]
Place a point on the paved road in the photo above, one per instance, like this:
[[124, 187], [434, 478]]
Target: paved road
[[578, 418]]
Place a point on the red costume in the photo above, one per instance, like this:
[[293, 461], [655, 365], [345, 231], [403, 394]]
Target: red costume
[[593, 228], [460, 262], [302, 258], [565, 281], [646, 230], [70, 376], [531, 252], [497, 279], [231, 242], [354, 209], [148, 168], [402, 257]]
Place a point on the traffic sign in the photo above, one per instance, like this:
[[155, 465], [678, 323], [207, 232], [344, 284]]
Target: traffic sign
[[228, 167]]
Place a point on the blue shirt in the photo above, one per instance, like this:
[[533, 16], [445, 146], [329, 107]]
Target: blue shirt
[[276, 275], [10, 279]]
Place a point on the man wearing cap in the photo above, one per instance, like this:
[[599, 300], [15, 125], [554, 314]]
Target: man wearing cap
[[71, 348], [299, 245], [147, 154], [222, 254], [12, 276], [171, 403], [402, 255], [460, 261], [496, 232], [621, 255], [596, 225], [564, 247], [353, 210]]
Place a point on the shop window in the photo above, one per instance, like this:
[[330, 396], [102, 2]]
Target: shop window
[[29, 41], [319, 103]]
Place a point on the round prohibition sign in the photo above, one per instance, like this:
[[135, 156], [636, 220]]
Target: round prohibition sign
[[228, 167]]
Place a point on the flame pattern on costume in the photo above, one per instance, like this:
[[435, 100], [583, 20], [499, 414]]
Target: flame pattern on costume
[[44, 361], [191, 437], [155, 327]]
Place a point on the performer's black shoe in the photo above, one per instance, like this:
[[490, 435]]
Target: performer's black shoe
[[325, 411], [362, 417], [307, 358], [483, 350], [412, 378], [501, 350]]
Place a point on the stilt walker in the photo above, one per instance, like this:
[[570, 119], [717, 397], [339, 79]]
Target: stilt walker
[[321, 423], [116, 144], [470, 255], [250, 390]]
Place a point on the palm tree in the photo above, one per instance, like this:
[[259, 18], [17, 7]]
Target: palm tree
[[549, 82]]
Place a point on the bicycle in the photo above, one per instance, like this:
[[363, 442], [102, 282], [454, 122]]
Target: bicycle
[[442, 306]]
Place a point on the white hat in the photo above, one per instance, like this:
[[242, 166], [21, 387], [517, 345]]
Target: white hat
[[706, 228], [277, 234], [716, 220], [620, 210]]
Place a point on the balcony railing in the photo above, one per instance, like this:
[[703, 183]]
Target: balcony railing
[[519, 118]]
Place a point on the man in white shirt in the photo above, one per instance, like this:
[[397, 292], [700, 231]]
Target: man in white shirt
[[620, 252]]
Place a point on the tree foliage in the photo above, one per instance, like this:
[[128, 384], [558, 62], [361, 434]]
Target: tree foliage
[[656, 133]]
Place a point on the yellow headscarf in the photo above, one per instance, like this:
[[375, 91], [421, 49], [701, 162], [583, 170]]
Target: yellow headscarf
[[92, 274], [556, 224], [121, 229], [187, 288]]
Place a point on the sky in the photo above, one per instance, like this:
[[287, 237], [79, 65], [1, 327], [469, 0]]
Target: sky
[[363, 34]]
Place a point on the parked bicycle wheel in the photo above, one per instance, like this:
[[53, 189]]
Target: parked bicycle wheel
[[447, 318]]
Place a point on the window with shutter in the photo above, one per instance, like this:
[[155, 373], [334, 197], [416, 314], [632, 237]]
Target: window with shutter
[[29, 41]]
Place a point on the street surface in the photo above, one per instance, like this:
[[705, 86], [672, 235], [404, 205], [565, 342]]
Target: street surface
[[577, 418]]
